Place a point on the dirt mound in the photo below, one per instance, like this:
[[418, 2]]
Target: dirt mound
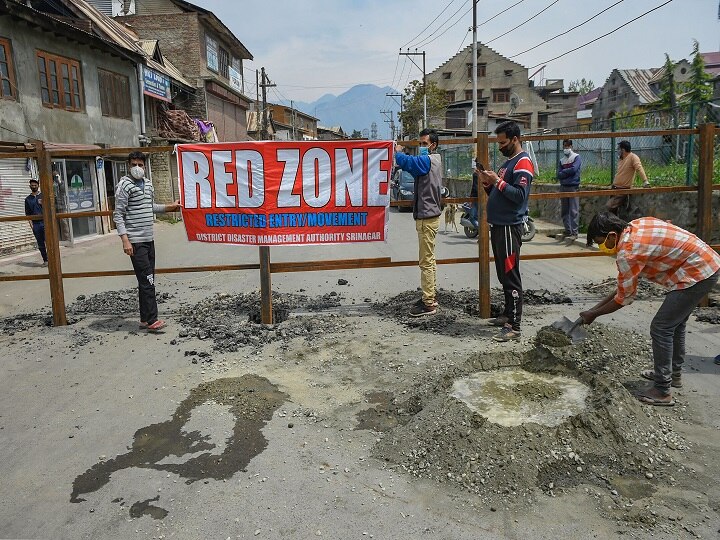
[[646, 290], [111, 303], [446, 441]]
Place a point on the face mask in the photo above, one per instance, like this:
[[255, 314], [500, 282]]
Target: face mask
[[567, 151], [609, 251], [137, 172], [507, 150], [424, 151]]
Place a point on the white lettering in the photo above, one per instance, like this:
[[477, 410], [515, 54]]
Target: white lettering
[[250, 178], [348, 178], [196, 186], [377, 177], [286, 197], [317, 177], [222, 179]]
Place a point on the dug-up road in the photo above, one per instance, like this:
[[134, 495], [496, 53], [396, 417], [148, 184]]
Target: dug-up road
[[349, 419]]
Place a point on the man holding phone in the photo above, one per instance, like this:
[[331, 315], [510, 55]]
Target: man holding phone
[[508, 193]]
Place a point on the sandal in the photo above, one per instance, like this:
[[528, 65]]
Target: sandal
[[649, 374], [649, 400]]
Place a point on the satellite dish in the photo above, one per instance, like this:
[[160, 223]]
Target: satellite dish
[[515, 102]]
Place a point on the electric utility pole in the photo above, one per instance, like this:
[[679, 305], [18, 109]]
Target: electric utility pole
[[389, 119], [401, 107], [422, 53], [474, 73], [265, 84]]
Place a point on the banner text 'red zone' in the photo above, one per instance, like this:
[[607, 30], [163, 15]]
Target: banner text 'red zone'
[[291, 192]]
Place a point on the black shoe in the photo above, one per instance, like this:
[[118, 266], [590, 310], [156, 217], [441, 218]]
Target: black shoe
[[501, 320], [418, 310]]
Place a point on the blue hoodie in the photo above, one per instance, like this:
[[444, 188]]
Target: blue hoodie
[[568, 171]]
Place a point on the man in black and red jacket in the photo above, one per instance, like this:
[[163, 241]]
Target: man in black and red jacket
[[508, 193]]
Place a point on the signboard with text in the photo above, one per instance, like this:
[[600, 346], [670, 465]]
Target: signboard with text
[[156, 84], [285, 192]]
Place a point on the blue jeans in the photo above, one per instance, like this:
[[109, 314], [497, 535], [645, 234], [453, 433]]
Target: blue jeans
[[474, 213], [38, 229]]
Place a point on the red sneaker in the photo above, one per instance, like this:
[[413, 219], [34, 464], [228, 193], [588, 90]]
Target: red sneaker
[[156, 326]]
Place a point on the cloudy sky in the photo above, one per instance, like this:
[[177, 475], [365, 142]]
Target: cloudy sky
[[313, 47]]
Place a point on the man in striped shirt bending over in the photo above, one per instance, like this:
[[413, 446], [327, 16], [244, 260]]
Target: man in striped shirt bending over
[[667, 255], [134, 209]]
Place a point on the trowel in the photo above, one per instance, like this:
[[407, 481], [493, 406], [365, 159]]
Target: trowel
[[573, 330]]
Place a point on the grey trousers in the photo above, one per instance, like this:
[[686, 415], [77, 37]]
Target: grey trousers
[[668, 330], [570, 210]]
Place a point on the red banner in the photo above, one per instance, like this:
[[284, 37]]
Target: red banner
[[285, 192]]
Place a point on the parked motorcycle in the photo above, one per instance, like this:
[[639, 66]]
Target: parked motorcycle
[[471, 230]]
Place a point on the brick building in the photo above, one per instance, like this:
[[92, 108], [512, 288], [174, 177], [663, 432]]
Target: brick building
[[207, 53]]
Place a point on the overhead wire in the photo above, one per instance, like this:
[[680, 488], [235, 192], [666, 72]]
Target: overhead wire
[[523, 23], [428, 26]]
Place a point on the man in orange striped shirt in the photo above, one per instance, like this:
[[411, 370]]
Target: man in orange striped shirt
[[670, 256]]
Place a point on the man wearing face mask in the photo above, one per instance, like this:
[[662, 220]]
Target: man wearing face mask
[[33, 207], [568, 172], [508, 193], [667, 255], [134, 209], [426, 168]]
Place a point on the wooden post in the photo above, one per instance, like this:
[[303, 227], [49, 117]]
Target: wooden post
[[52, 236], [705, 191], [483, 157], [266, 309]]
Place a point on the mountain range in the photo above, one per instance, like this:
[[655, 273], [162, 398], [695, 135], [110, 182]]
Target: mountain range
[[356, 109]]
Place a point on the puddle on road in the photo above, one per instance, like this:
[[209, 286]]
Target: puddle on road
[[144, 508], [184, 446], [514, 397]]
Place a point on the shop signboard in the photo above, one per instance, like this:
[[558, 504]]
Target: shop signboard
[[156, 84]]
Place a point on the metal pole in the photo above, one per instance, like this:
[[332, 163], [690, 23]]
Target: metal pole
[[474, 76], [52, 236], [425, 121], [266, 309]]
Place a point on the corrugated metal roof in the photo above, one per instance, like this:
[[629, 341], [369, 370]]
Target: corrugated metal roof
[[119, 34], [638, 80]]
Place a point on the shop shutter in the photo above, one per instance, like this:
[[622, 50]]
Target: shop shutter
[[14, 179]]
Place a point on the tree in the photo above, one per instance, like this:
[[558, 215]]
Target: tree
[[698, 87], [581, 85], [668, 87], [356, 134], [412, 115]]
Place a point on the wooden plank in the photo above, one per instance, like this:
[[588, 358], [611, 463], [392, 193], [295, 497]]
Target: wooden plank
[[266, 311], [112, 151], [483, 155], [706, 147], [66, 215], [52, 237], [20, 218], [29, 154]]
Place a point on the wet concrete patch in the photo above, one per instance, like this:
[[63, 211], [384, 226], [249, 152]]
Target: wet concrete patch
[[144, 508], [190, 453]]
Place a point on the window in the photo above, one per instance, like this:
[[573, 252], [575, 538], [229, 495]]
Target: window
[[455, 119], [450, 96], [114, 94], [612, 94], [7, 73], [508, 72], [447, 74], [211, 53], [60, 82], [501, 95], [468, 95], [480, 70], [224, 61]]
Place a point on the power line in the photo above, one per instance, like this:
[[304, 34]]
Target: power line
[[524, 22], [429, 25], [604, 35], [427, 41]]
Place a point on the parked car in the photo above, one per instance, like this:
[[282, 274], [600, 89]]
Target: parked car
[[402, 189]]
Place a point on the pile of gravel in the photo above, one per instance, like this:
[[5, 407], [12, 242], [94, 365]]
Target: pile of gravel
[[120, 302], [439, 438], [232, 321]]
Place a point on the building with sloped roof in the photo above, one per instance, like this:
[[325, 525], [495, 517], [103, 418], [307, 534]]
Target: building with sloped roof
[[623, 92]]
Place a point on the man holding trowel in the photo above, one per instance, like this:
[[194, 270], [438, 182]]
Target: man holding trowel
[[667, 255]]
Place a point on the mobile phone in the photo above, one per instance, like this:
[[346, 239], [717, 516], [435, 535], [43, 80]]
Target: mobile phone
[[479, 166]]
